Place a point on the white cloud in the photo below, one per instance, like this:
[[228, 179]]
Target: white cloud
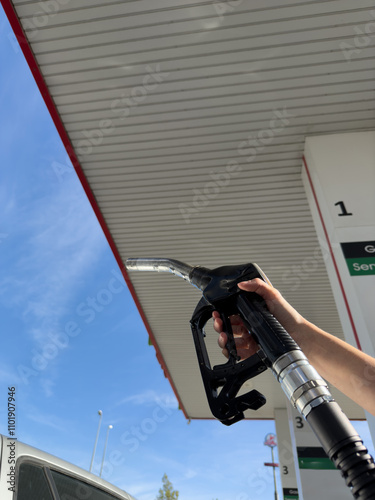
[[47, 387], [45, 420], [63, 243], [190, 473], [142, 489], [8, 375], [149, 398]]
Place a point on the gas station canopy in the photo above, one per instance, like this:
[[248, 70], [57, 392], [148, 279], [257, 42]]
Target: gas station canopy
[[186, 123]]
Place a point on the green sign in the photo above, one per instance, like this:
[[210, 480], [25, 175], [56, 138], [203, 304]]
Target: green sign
[[361, 266], [311, 457], [316, 463], [360, 257]]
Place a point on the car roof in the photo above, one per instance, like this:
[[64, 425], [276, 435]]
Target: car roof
[[25, 452]]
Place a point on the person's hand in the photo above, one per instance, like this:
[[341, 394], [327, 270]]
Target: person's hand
[[287, 316], [245, 344]]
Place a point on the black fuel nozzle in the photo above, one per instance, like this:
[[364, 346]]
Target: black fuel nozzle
[[219, 292], [217, 283]]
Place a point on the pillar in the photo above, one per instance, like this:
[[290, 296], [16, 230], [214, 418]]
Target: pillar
[[339, 177]]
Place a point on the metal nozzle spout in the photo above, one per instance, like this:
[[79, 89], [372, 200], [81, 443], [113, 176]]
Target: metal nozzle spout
[[160, 265]]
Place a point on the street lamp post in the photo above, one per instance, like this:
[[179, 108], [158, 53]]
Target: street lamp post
[[274, 475], [105, 449], [270, 440], [100, 413]]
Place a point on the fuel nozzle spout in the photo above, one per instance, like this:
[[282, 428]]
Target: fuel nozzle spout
[[197, 276]]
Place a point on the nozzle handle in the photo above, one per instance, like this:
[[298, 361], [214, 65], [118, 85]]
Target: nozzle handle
[[274, 340]]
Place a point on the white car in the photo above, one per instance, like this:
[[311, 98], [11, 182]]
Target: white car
[[27, 473]]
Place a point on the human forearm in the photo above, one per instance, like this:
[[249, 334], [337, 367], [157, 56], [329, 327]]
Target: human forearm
[[345, 367]]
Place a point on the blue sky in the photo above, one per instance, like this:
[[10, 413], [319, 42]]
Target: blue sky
[[67, 362]]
